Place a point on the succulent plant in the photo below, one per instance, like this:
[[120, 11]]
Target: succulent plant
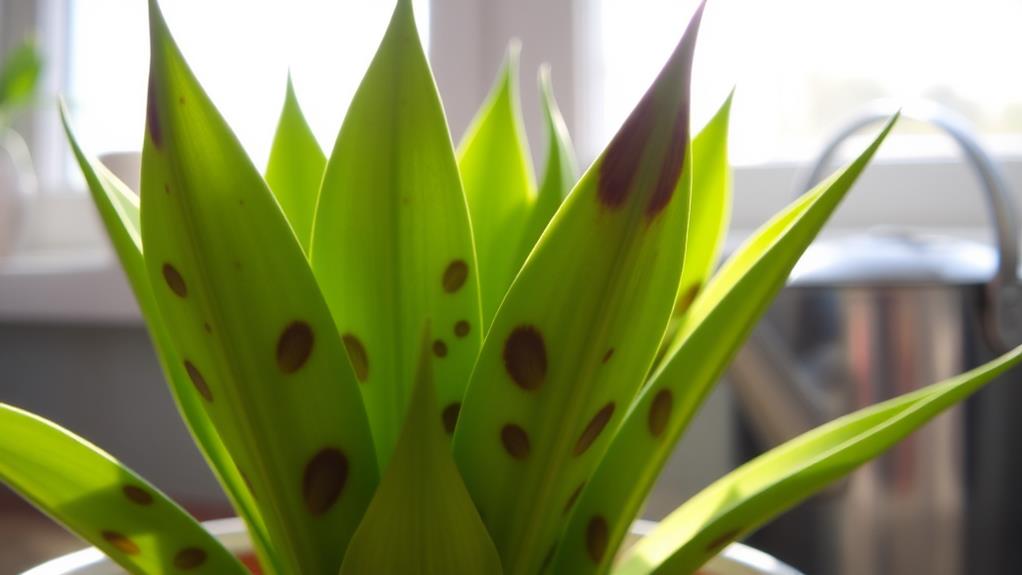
[[403, 359]]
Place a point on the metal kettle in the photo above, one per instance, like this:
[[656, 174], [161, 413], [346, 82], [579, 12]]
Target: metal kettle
[[873, 315]]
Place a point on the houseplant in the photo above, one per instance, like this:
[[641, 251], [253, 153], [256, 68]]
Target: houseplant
[[327, 349], [19, 80]]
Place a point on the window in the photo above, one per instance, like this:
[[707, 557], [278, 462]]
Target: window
[[802, 66], [241, 52]]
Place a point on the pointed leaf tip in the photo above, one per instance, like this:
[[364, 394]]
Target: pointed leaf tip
[[637, 138], [368, 248], [422, 507], [585, 383], [209, 218], [497, 175]]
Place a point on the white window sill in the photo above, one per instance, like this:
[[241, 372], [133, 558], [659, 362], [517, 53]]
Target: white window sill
[[65, 270], [82, 287]]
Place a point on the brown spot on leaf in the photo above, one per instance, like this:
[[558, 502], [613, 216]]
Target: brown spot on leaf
[[248, 482], [198, 381], [597, 538], [166, 189], [678, 69], [620, 164], [607, 356], [721, 541], [189, 558], [525, 357], [660, 412], [208, 328], [515, 440], [621, 160], [294, 346], [324, 479], [573, 497], [462, 328], [357, 355], [136, 494], [547, 559], [455, 276], [175, 282], [670, 169], [687, 297], [439, 348], [593, 429], [450, 416], [121, 542], [152, 114]]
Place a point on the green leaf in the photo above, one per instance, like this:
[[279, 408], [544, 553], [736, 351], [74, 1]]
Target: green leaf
[[102, 501], [295, 168], [717, 324], [580, 326], [777, 480], [561, 168], [392, 241], [422, 520], [497, 174], [710, 209], [118, 208], [248, 321], [19, 77]]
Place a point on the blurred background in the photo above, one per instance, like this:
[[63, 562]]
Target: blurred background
[[72, 346]]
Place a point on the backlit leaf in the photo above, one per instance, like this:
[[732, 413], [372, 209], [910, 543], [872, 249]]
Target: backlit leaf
[[561, 169], [295, 168], [422, 520], [580, 326], [103, 502], [118, 208], [715, 326], [249, 323], [393, 244], [493, 158], [775, 481], [710, 209]]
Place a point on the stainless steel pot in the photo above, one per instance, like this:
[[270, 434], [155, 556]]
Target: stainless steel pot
[[873, 315]]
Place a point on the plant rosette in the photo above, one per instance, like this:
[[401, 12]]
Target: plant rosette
[[409, 358]]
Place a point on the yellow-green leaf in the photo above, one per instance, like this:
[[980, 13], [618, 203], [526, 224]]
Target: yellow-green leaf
[[295, 168], [710, 209], [561, 169], [580, 326], [766, 486], [103, 502], [421, 520], [246, 317], [717, 324], [118, 209], [493, 158], [393, 243]]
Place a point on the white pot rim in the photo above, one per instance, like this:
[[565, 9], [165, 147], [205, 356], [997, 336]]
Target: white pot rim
[[735, 559]]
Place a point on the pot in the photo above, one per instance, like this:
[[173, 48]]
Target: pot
[[735, 559]]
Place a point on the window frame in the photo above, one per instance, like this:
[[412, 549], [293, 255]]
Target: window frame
[[469, 39]]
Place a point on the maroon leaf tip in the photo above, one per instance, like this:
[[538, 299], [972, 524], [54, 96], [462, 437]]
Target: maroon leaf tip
[[621, 161]]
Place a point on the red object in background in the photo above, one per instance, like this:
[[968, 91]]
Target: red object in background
[[252, 563]]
